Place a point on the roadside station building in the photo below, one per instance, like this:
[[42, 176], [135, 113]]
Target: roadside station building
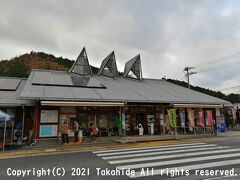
[[115, 102], [21, 110]]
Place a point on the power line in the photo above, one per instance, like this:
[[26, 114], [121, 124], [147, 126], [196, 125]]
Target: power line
[[219, 60], [216, 68], [219, 63]]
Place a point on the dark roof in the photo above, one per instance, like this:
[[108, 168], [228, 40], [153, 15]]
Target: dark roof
[[9, 96], [117, 90]]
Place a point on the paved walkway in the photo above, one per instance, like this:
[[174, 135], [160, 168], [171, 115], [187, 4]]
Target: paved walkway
[[138, 141], [229, 133]]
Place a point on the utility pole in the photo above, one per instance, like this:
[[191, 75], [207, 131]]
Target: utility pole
[[188, 74]]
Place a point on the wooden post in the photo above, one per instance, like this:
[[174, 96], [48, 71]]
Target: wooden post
[[164, 131], [23, 121], [36, 120], [4, 136], [12, 133]]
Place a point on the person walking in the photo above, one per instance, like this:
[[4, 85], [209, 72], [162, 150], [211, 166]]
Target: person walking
[[76, 131], [65, 128], [94, 131]]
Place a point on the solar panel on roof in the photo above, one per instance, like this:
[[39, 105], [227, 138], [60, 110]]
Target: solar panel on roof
[[9, 84], [65, 79], [49, 78], [61, 79], [42, 78]]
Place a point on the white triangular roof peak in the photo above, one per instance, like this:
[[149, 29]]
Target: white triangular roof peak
[[109, 66], [81, 65], [133, 68]]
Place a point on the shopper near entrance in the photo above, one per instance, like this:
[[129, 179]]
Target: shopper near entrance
[[76, 131], [65, 128], [140, 129], [94, 131]]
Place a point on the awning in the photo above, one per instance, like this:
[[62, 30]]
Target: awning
[[4, 116], [199, 105], [72, 103]]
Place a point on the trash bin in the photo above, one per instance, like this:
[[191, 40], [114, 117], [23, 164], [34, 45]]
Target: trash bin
[[80, 136], [141, 131]]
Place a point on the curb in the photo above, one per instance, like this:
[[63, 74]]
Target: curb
[[52, 150]]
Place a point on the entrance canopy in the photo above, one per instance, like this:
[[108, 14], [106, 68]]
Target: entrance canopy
[[4, 116], [70, 103]]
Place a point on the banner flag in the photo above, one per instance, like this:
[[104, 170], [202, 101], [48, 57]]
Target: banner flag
[[182, 119], [209, 120], [123, 124], [172, 117], [221, 124], [191, 118], [234, 114], [200, 119]]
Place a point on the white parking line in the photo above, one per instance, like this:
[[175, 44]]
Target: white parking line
[[172, 156], [155, 149], [149, 147], [163, 153], [178, 161]]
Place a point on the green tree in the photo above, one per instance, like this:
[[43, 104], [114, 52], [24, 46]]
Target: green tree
[[18, 70]]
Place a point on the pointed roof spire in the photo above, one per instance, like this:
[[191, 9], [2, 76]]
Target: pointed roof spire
[[134, 67], [81, 65], [109, 66]]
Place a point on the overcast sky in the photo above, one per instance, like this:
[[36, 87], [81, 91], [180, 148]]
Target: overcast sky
[[169, 34]]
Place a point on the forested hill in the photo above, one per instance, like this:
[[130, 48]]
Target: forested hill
[[21, 66]]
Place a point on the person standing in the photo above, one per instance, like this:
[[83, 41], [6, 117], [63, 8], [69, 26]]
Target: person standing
[[76, 131], [94, 131], [65, 128]]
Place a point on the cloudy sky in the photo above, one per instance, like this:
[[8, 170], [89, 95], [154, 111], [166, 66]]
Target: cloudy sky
[[169, 34]]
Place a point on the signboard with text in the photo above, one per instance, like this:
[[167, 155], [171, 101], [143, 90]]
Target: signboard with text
[[49, 116], [48, 130]]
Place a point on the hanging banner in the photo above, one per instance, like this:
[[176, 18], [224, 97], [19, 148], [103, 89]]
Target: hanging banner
[[123, 125], [182, 119], [209, 120], [234, 114], [221, 124], [191, 118], [200, 119], [172, 117]]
